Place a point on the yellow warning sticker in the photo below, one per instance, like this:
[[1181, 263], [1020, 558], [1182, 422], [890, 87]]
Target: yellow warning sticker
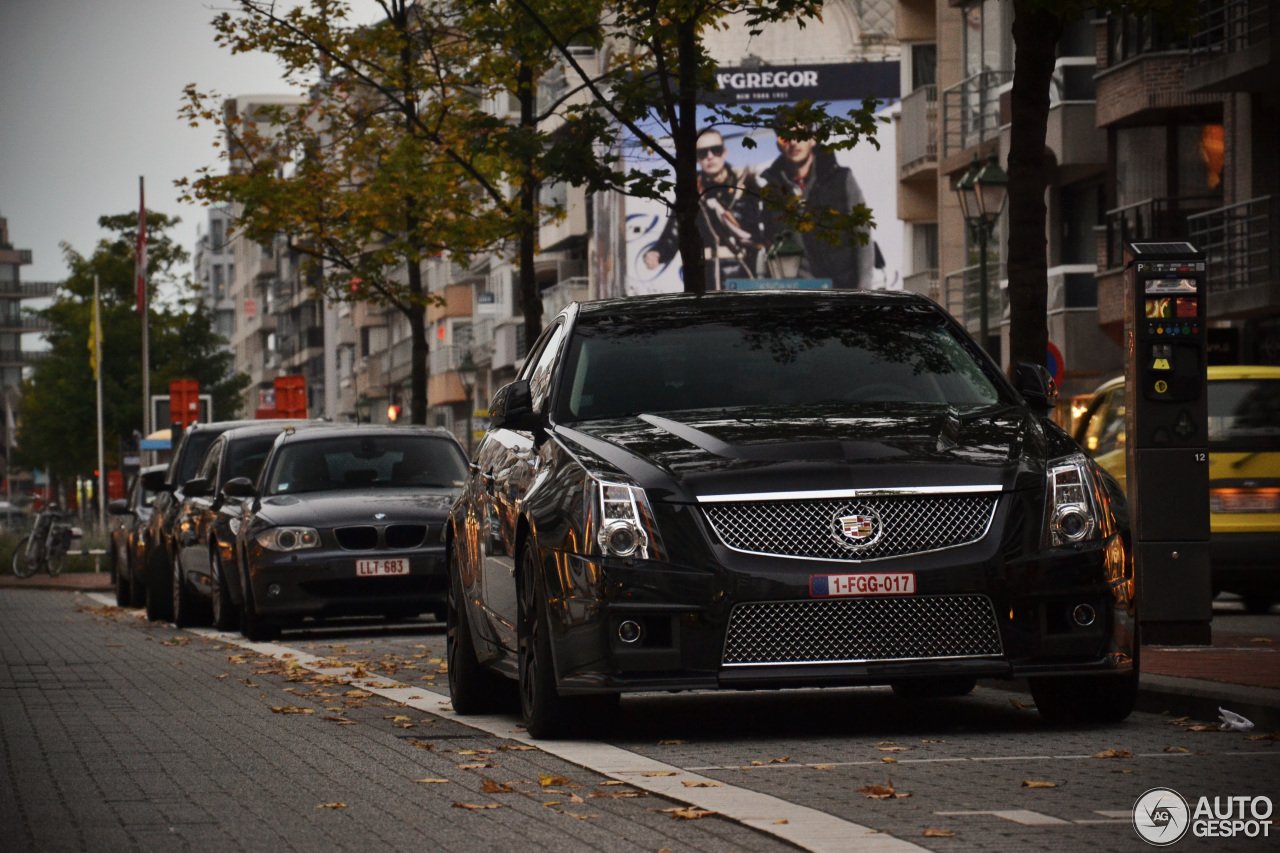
[[1161, 364]]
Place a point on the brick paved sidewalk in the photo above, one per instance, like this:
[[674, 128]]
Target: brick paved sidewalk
[[88, 581]]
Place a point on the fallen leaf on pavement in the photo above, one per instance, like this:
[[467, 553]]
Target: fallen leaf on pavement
[[938, 833], [1202, 728], [685, 812], [889, 760], [702, 784], [1261, 640], [893, 748], [1029, 783], [823, 766], [1021, 706], [479, 765], [882, 792], [1272, 736], [421, 745], [432, 781], [1176, 721], [1126, 770], [613, 782], [783, 760], [489, 786], [358, 694], [780, 822], [224, 675], [474, 806], [1176, 749], [547, 781], [517, 748], [405, 725], [619, 795], [1113, 753], [578, 816], [332, 806], [661, 773], [289, 709]]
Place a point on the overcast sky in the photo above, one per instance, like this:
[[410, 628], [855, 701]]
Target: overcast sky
[[89, 97]]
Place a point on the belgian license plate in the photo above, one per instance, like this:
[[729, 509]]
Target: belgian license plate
[[375, 568], [873, 583]]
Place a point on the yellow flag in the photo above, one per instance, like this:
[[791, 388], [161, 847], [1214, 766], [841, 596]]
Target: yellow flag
[[95, 338]]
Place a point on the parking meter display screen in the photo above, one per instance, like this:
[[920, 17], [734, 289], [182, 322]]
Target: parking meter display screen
[[1169, 286], [1170, 307]]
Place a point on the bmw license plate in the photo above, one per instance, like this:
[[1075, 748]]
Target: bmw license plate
[[872, 583], [375, 568]]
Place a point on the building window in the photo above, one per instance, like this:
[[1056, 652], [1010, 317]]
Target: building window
[[924, 246], [1129, 36], [219, 283], [218, 235], [988, 37], [924, 65]]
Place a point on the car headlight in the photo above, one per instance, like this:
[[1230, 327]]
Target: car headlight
[[289, 538], [1077, 509], [620, 520]]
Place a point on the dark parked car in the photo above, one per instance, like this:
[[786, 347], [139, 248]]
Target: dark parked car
[[206, 523], [161, 543], [784, 489], [128, 530], [346, 522]]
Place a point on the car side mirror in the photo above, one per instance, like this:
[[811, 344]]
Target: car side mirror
[[239, 487], [153, 481], [119, 507], [1036, 386], [512, 408], [197, 488]]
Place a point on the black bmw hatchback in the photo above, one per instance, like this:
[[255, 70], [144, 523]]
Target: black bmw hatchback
[[763, 490]]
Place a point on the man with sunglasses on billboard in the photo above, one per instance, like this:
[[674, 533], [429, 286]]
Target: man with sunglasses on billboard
[[806, 171], [729, 218]]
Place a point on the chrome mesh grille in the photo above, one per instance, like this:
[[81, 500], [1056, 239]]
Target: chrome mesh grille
[[812, 528], [851, 630]]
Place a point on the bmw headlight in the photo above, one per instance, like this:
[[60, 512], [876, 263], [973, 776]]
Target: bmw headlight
[[1076, 508], [289, 538], [621, 520]]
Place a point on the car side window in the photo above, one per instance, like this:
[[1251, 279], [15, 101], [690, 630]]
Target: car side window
[[540, 375], [1105, 431], [209, 465]]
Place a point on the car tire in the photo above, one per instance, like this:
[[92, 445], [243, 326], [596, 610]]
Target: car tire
[[159, 584], [225, 615], [1085, 699], [473, 688], [256, 629], [940, 687], [1257, 603], [185, 606], [546, 713], [137, 590]]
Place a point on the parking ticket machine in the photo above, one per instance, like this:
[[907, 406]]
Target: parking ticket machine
[[1166, 424]]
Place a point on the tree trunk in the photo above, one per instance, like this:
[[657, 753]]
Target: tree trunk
[[416, 312], [1036, 32], [684, 133], [530, 296]]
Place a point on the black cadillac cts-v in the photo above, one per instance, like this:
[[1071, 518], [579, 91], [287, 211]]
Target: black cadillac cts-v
[[782, 489]]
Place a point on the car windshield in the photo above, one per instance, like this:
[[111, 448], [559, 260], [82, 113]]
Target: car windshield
[[1244, 415], [359, 461], [196, 443], [246, 455], [802, 354]]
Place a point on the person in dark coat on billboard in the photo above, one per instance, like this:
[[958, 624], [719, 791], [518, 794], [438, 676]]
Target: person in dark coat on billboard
[[806, 171], [730, 218]]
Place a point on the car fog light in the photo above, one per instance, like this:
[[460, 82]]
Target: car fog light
[[1084, 615], [274, 589], [1072, 522], [629, 631]]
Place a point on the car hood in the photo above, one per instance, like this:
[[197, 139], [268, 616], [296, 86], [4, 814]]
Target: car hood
[[357, 506], [682, 455]]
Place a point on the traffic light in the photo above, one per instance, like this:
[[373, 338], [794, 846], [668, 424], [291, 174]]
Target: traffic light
[[393, 413]]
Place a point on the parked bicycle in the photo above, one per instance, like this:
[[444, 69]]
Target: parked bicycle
[[46, 547]]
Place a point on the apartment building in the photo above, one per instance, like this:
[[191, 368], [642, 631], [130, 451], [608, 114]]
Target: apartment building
[[13, 322], [1193, 131], [214, 267], [957, 71]]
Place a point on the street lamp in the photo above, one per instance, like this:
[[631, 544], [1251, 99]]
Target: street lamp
[[785, 255], [982, 193], [364, 409], [467, 372]]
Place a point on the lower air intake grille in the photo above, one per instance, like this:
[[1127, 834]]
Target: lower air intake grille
[[853, 630]]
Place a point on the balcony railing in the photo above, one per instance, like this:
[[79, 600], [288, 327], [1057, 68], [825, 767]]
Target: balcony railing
[[971, 111], [962, 291], [925, 283], [28, 289], [24, 323], [918, 131], [445, 359], [1155, 219], [1240, 242], [398, 355], [1229, 27]]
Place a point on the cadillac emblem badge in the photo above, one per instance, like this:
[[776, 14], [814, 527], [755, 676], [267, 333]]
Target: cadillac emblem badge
[[857, 529]]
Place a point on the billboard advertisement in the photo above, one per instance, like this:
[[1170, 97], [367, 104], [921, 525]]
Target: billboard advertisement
[[745, 244]]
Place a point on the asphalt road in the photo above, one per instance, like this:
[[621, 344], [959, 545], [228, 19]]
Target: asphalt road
[[116, 734]]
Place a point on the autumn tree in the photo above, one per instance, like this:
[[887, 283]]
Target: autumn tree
[[58, 419]]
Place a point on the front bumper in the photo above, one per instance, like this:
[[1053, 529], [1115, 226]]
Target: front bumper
[[685, 614], [321, 583]]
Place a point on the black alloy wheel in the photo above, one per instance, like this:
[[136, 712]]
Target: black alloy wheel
[[546, 713], [473, 688], [159, 585], [225, 615]]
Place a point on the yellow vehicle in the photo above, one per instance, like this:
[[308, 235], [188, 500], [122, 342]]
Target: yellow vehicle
[[1244, 473]]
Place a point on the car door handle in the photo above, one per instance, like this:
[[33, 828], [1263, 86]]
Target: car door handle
[[488, 482]]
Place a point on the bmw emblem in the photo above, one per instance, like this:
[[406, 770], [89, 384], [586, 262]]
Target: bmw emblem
[[856, 527], [379, 515]]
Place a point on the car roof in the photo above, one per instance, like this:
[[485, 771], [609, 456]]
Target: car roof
[[327, 430], [265, 427], [764, 299]]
